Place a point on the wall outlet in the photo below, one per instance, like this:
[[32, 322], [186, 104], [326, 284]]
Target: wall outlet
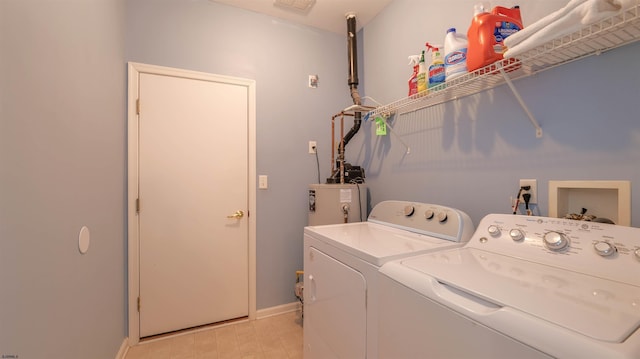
[[313, 81], [533, 190], [312, 147]]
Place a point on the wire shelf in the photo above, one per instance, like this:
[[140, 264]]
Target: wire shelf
[[594, 39]]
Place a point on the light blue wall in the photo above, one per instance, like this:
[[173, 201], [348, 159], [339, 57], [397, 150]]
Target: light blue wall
[[471, 153], [204, 36], [62, 140], [62, 160]]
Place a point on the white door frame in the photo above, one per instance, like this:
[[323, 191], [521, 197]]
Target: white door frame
[[132, 177]]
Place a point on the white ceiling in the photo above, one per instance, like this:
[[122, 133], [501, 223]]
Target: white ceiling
[[324, 14]]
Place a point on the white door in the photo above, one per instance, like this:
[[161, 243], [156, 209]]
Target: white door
[[193, 193]]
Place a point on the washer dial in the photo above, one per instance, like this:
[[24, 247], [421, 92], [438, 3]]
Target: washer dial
[[556, 241], [604, 249], [516, 234], [494, 230]]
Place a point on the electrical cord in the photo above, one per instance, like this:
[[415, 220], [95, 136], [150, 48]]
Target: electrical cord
[[317, 162], [357, 181], [359, 200], [522, 188], [515, 208], [527, 198]]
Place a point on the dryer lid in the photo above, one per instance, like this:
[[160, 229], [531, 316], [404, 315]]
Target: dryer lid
[[598, 308]]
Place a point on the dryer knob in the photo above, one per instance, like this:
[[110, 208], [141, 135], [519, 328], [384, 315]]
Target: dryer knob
[[428, 214], [556, 241], [408, 211], [442, 217], [494, 230], [516, 234], [604, 248], [637, 253]]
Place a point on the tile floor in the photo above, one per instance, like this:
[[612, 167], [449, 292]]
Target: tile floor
[[277, 337]]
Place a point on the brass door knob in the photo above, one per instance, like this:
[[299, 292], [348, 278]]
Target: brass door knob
[[237, 215]]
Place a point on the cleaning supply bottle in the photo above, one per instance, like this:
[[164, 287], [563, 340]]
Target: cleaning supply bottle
[[455, 54], [422, 75], [436, 68], [414, 61], [487, 33]]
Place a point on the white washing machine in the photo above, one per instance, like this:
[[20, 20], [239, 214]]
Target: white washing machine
[[522, 287], [341, 265]]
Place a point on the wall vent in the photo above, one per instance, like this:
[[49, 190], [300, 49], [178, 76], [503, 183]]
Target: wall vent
[[296, 5]]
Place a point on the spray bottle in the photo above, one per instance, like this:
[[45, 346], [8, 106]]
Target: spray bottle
[[423, 79], [436, 68], [414, 61]]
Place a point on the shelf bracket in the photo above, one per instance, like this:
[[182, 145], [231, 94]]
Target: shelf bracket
[[520, 101]]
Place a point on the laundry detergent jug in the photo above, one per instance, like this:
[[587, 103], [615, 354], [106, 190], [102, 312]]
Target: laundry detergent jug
[[487, 33]]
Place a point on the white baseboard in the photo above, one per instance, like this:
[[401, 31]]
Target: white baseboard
[[279, 309], [124, 348]]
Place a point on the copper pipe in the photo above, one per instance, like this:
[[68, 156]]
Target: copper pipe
[[333, 144], [341, 156]]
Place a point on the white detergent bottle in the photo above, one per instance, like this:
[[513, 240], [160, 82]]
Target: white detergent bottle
[[455, 54]]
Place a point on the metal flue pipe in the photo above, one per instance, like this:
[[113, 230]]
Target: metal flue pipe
[[352, 53]]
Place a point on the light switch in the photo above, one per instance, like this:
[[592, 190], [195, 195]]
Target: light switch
[[263, 182]]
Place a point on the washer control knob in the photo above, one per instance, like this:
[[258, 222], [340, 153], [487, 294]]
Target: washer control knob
[[408, 211], [516, 234], [637, 253], [442, 217], [556, 241], [604, 248], [428, 214], [493, 230]]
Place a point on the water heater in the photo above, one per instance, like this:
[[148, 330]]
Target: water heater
[[337, 203]]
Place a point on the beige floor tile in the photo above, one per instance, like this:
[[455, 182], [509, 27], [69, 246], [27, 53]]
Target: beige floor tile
[[275, 354], [204, 347], [138, 352], [250, 346], [278, 337], [253, 356]]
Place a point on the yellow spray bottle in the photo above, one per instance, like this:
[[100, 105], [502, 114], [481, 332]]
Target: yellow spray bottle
[[423, 77]]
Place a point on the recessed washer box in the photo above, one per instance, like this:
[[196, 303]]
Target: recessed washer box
[[604, 199]]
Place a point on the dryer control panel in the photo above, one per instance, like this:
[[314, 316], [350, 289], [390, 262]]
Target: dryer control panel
[[600, 249], [429, 219]]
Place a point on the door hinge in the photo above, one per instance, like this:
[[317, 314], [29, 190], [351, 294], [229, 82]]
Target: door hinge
[[138, 304], [137, 106], [137, 205]]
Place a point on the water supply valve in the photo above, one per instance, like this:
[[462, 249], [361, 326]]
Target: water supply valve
[[345, 212]]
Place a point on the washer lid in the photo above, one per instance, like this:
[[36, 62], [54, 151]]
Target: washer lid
[[376, 243], [595, 307]]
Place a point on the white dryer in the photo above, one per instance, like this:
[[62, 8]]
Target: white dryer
[[522, 287], [341, 265]]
